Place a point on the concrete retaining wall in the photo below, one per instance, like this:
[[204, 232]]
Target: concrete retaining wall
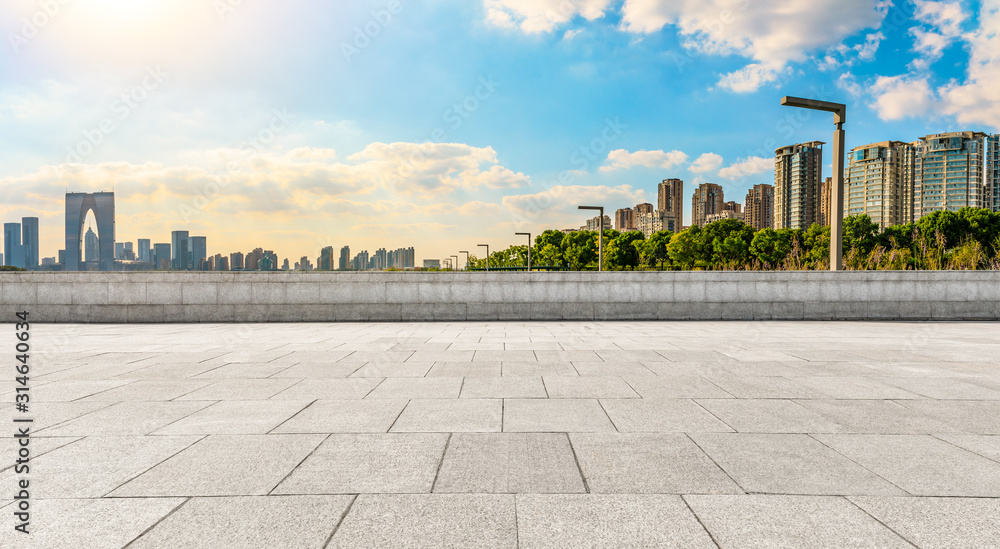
[[314, 297]]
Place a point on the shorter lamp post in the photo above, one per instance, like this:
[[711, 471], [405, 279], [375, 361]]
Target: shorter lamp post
[[600, 241], [466, 259], [487, 246], [529, 247]]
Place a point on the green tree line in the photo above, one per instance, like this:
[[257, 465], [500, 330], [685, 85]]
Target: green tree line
[[968, 239]]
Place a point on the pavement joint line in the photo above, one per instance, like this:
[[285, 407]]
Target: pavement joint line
[[444, 452], [154, 466], [340, 521], [546, 387], [712, 459], [157, 523], [711, 536], [607, 415], [299, 464], [905, 491], [876, 519], [938, 436], [579, 468], [393, 424], [293, 416], [698, 404], [372, 390]]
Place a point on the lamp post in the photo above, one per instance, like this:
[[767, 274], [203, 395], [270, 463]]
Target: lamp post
[[487, 246], [466, 259], [447, 262], [837, 192], [600, 242], [529, 247]]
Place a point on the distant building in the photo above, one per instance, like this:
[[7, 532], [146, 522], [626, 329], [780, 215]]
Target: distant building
[[236, 261], [708, 200], [952, 172], [670, 202], [13, 252], [595, 223], [992, 172], [798, 173], [181, 247], [161, 256], [325, 262], [654, 222], [432, 263], [345, 259], [733, 206], [644, 208], [724, 214], [825, 201], [145, 252], [879, 183], [758, 209], [625, 220], [90, 246], [29, 242], [199, 252]]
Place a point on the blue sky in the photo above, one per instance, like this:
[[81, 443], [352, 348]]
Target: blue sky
[[444, 123]]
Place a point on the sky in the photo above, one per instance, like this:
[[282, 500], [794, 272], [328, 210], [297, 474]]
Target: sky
[[444, 124]]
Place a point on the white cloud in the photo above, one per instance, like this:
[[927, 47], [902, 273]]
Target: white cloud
[[772, 33], [707, 162], [898, 97], [562, 201], [849, 83], [977, 101], [942, 25], [538, 16], [621, 159], [868, 49], [747, 167], [571, 34]]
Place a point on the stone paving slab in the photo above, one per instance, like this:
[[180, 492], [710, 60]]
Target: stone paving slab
[[520, 434]]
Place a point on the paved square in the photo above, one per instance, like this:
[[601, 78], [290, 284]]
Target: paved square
[[521, 434]]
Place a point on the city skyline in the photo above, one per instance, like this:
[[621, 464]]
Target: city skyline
[[305, 139]]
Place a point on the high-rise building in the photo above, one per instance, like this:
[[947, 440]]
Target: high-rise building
[[670, 201], [992, 169], [798, 172], [103, 207], [625, 220], [161, 256], [199, 252], [222, 262], [950, 173], [92, 251], [733, 206], [432, 263], [29, 242], [345, 259], [119, 250], [181, 247], [236, 261], [825, 201], [326, 259], [644, 208], [12, 250], [708, 200], [145, 252], [595, 223], [724, 214], [879, 183], [758, 209]]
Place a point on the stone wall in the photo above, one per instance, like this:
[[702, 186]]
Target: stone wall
[[397, 296]]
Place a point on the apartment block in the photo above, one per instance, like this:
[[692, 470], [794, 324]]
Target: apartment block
[[708, 200], [798, 174], [950, 173], [758, 209], [879, 182]]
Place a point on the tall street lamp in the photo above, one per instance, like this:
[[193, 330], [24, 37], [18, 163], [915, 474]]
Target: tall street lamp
[[529, 247], [487, 246], [600, 242], [837, 192], [466, 259]]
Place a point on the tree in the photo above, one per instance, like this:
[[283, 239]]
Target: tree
[[952, 226], [860, 233], [816, 241], [548, 248], [656, 247], [579, 249], [771, 247], [622, 251], [685, 248], [726, 243]]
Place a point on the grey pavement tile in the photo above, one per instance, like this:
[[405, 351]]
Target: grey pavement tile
[[245, 370], [987, 446], [769, 416], [567, 356], [90, 523], [70, 390], [319, 370], [328, 357], [465, 369], [503, 387], [980, 417], [555, 416], [252, 522], [329, 389], [622, 355], [451, 416], [150, 390], [236, 417], [608, 520], [393, 369], [763, 386], [599, 369], [505, 356], [427, 387], [700, 356], [675, 387], [39, 447], [224, 465], [509, 463], [944, 388], [791, 522], [345, 416], [588, 387], [922, 465], [439, 356], [476, 346], [438, 520], [394, 463], [182, 370], [939, 523], [538, 369], [657, 463], [883, 417], [126, 418], [55, 413], [241, 389], [382, 356], [789, 464], [667, 368], [854, 387], [661, 416], [94, 466]]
